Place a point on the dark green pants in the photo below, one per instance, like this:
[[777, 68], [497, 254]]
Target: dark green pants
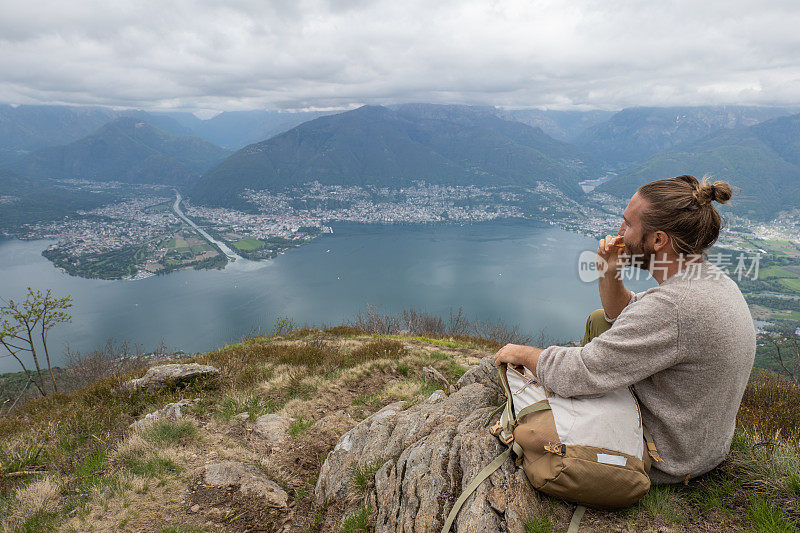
[[595, 325]]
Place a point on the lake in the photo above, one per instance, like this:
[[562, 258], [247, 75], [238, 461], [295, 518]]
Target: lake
[[518, 272]]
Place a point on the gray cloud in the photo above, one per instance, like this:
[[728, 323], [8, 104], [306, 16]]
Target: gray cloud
[[312, 53]]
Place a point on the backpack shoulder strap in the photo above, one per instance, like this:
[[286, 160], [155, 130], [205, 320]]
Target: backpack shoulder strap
[[575, 523], [502, 430], [483, 474]]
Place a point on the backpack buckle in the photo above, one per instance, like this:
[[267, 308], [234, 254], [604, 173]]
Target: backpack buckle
[[557, 449], [497, 428]]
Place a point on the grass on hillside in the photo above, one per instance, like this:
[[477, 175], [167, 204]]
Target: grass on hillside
[[63, 457]]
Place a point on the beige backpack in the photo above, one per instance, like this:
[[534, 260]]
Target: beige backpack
[[591, 451]]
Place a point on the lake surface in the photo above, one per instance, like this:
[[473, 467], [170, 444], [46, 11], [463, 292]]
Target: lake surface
[[515, 271]]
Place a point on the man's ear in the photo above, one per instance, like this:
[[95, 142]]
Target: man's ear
[[660, 241]]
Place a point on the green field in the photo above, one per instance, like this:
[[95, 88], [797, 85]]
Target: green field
[[181, 246], [784, 247], [249, 245], [787, 276]]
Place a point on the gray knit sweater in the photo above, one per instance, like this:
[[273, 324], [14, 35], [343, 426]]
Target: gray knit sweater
[[687, 347]]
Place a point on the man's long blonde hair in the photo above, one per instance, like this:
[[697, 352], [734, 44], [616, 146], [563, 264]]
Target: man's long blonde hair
[[683, 208]]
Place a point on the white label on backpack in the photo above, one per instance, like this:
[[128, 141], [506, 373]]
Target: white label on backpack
[[612, 459]]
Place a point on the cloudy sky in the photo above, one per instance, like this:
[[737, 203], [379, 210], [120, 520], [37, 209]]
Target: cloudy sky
[[291, 54]]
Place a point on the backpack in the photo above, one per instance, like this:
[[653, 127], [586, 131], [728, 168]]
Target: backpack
[[591, 451]]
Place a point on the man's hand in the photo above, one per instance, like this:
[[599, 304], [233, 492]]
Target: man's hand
[[517, 354], [608, 251]]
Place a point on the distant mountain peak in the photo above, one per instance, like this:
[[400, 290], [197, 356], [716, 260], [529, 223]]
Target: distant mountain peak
[[392, 146], [126, 149]]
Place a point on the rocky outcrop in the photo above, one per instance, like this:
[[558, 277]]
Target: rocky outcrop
[[172, 375], [247, 479], [429, 452], [172, 411]]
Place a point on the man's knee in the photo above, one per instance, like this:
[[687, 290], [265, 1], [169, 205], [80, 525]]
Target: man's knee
[[597, 320], [595, 325]]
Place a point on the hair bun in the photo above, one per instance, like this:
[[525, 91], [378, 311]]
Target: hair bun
[[706, 192]]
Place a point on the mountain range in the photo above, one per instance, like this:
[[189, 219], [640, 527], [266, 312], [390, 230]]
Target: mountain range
[[128, 150], [756, 148], [634, 134], [374, 145], [26, 128], [763, 161]]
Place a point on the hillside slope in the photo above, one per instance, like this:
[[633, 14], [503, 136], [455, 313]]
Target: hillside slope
[[248, 449]]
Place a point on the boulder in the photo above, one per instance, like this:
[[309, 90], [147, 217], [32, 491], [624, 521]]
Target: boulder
[[272, 429], [429, 452], [247, 479], [172, 375], [172, 411]]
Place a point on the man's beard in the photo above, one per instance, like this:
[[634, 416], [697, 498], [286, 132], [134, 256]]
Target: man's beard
[[640, 255]]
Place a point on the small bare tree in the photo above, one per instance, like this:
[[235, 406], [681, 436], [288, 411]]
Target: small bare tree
[[24, 323], [786, 352]]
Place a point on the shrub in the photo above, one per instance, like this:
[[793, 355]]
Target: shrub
[[769, 406], [379, 349], [346, 331], [488, 334], [84, 369]]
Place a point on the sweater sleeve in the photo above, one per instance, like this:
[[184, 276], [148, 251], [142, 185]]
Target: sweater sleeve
[[643, 341], [634, 296]]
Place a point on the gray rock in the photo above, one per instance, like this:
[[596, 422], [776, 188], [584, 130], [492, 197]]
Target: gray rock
[[485, 373], [171, 375], [172, 411], [272, 429], [248, 480], [430, 452]]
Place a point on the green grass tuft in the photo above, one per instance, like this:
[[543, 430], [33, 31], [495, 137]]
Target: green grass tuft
[[359, 521], [300, 426], [537, 524], [152, 466], [794, 484], [21, 457], [716, 492], [372, 400], [39, 522], [170, 432], [767, 518], [662, 502], [362, 475]]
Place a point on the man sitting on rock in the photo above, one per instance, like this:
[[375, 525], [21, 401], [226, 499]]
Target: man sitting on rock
[[686, 346]]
